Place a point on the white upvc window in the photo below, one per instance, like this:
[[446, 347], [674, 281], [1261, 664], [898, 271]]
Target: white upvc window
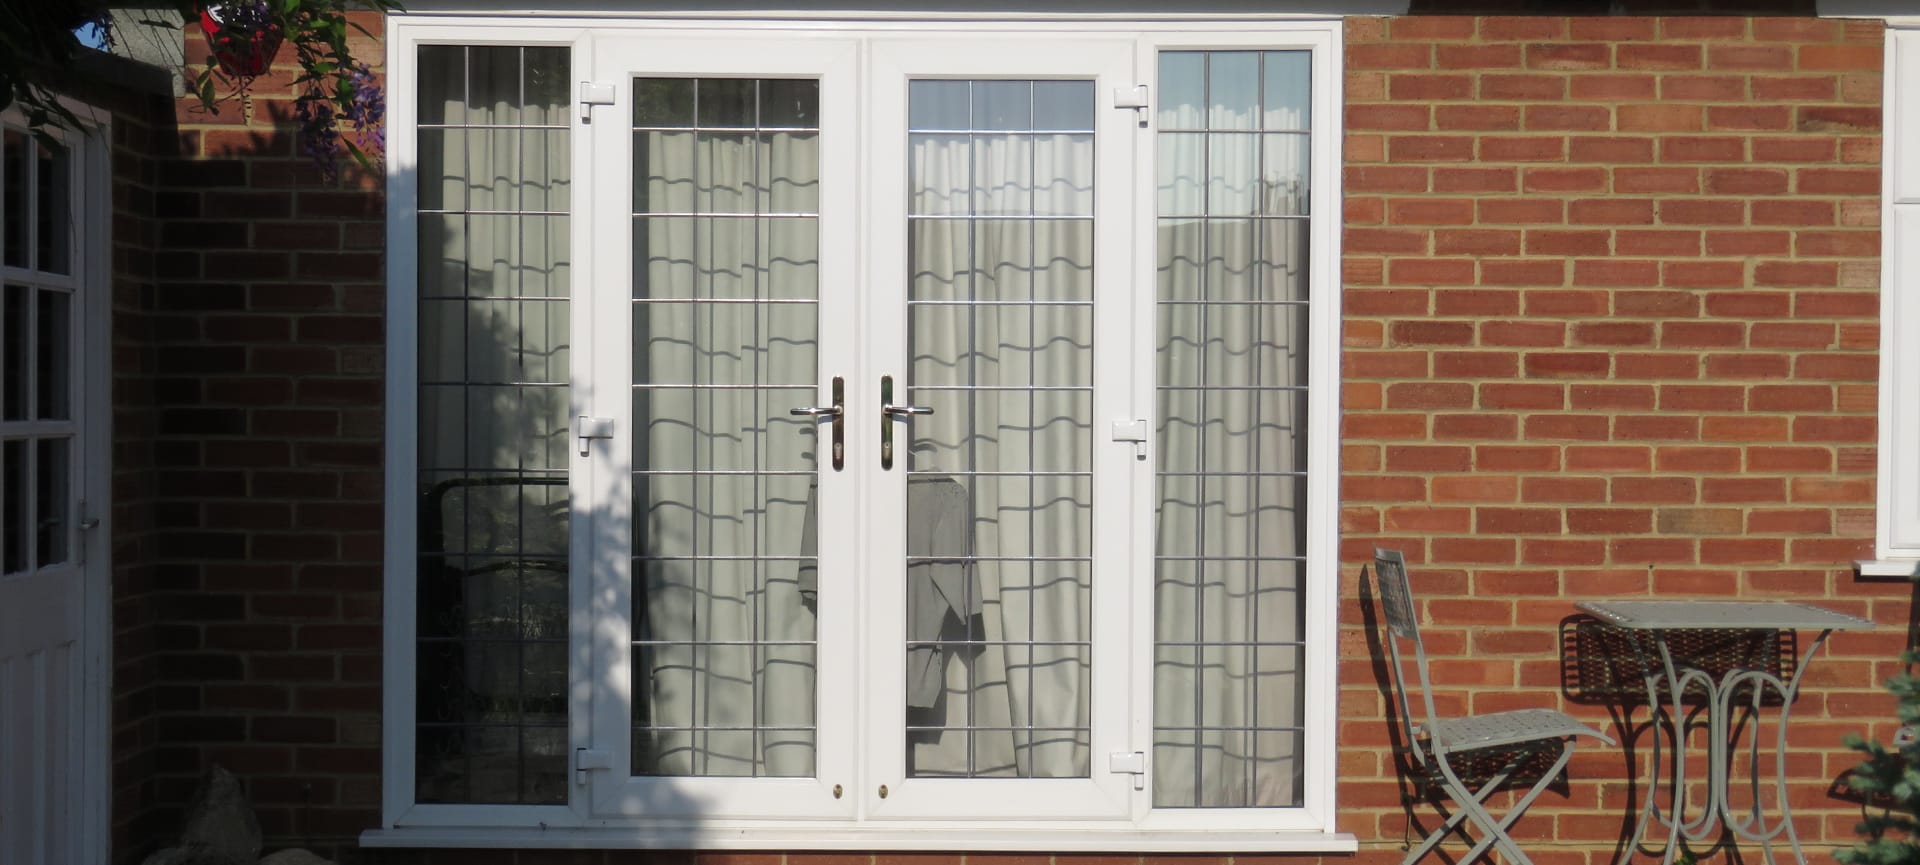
[[1898, 529], [903, 434]]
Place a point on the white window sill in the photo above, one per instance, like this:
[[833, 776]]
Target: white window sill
[[985, 838], [1889, 569]]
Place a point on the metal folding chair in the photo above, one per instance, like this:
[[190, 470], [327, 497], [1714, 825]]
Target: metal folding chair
[[1492, 749]]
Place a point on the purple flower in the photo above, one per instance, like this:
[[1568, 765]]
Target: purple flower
[[361, 105]]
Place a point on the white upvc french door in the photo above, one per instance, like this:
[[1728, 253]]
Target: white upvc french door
[[995, 571], [724, 258], [810, 597]]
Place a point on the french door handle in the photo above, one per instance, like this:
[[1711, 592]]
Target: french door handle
[[836, 413], [888, 414]]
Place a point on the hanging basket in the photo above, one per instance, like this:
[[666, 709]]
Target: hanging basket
[[241, 53]]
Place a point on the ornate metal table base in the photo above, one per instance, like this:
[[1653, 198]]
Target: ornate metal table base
[[1683, 634]]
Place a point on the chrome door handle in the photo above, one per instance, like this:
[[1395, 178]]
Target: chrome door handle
[[837, 413], [888, 413]]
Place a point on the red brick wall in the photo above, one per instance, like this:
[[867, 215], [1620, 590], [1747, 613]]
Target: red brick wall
[[264, 364], [1611, 330], [141, 126], [1611, 296]]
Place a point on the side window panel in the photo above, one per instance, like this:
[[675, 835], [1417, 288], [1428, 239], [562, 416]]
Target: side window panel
[[494, 358], [1230, 482]]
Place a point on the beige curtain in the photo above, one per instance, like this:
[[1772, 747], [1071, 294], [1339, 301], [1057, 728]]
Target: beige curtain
[[1232, 287], [1001, 347], [725, 666]]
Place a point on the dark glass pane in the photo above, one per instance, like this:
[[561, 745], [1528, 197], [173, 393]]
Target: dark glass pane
[[14, 153], [548, 74], [725, 102], [13, 507], [50, 502], [443, 84], [55, 218], [790, 104], [52, 374], [16, 342], [493, 85], [662, 102]]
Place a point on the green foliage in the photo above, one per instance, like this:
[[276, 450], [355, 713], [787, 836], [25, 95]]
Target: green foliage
[[41, 45], [1889, 778]]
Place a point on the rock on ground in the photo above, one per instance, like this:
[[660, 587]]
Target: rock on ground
[[220, 827]]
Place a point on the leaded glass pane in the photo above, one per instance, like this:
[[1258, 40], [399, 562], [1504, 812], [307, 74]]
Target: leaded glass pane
[[1230, 473], [726, 341], [495, 364]]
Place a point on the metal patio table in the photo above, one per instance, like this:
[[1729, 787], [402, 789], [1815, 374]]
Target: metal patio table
[[1681, 633]]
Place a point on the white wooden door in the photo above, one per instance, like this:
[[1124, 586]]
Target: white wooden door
[[48, 792]]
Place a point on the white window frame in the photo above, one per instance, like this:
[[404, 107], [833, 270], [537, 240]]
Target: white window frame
[[1897, 511], [1308, 828]]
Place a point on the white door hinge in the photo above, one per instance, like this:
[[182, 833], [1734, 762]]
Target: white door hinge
[[1134, 97], [1132, 431], [1129, 763], [592, 94], [588, 759], [586, 429]]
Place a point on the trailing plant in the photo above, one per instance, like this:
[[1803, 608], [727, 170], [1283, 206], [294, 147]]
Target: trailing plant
[[1889, 779], [338, 102]]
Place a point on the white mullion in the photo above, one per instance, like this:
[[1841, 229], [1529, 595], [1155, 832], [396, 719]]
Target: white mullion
[[608, 615], [401, 560], [585, 330]]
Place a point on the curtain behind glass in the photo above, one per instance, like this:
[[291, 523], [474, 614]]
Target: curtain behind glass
[[999, 489], [1230, 470], [725, 344], [494, 365]]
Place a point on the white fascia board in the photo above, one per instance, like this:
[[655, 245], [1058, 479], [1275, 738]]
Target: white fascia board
[[885, 9]]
